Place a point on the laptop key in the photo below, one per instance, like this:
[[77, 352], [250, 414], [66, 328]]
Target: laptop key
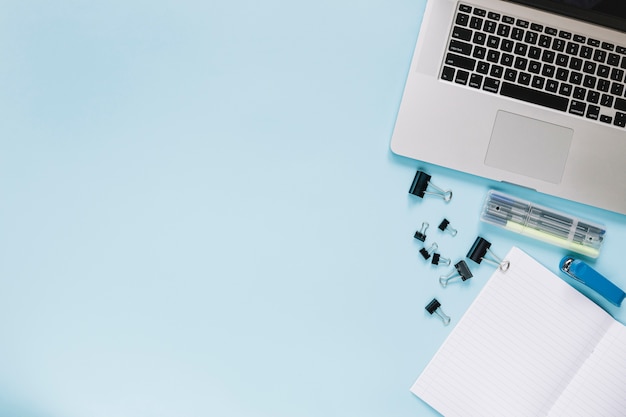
[[552, 86], [538, 82], [606, 100], [479, 52], [599, 55], [566, 89], [620, 119], [603, 71], [483, 67], [462, 19], [447, 73], [475, 81], [593, 96], [562, 74], [565, 35], [613, 60], [548, 71], [510, 75], [459, 32], [491, 85], [579, 93], [593, 112], [577, 107], [551, 31], [534, 52], [617, 74], [461, 77], [490, 26], [496, 71], [460, 47], [479, 38], [524, 78], [620, 104], [617, 89], [603, 85], [476, 23], [606, 119], [504, 30], [460, 61], [593, 42], [534, 96]]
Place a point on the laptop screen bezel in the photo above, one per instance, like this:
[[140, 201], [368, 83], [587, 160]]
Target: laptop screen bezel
[[577, 13]]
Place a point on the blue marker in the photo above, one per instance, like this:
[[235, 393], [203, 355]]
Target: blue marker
[[582, 272]]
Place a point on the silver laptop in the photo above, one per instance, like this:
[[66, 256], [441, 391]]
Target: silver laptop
[[529, 92]]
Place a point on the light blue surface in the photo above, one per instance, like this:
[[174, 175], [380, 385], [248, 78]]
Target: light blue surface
[[200, 214]]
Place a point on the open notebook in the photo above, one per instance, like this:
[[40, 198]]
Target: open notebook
[[529, 345]]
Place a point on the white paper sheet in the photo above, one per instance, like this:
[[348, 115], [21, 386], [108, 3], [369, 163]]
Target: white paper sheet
[[520, 346]]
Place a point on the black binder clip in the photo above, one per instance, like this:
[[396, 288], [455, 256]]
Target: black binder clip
[[426, 253], [479, 250], [421, 234], [421, 183], [445, 225], [440, 260], [434, 307], [461, 271]]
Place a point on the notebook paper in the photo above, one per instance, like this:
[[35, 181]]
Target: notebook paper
[[529, 345]]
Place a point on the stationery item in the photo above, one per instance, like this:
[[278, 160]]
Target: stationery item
[[461, 270], [527, 92], [543, 223], [421, 234], [479, 251], [434, 307], [427, 252], [445, 226], [420, 184], [440, 260], [582, 272], [529, 345]]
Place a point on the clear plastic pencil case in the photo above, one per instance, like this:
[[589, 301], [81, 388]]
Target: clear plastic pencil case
[[543, 223]]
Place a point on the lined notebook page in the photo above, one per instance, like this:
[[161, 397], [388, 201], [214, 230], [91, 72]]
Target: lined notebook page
[[517, 348], [599, 388]]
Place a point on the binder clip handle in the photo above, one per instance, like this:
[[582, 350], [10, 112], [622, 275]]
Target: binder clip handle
[[420, 184], [461, 270], [445, 226], [421, 234], [440, 260], [479, 251], [426, 253], [434, 307]]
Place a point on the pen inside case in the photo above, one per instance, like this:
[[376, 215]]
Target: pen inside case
[[543, 223]]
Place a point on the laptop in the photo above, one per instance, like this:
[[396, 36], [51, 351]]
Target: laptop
[[527, 92]]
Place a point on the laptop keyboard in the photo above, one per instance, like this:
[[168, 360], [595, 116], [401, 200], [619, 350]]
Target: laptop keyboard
[[538, 64]]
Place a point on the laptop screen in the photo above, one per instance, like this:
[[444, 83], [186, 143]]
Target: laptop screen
[[610, 13]]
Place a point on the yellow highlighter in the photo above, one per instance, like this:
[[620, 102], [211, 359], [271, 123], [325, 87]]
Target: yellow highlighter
[[543, 223]]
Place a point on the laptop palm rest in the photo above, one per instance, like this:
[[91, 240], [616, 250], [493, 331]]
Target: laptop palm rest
[[529, 147]]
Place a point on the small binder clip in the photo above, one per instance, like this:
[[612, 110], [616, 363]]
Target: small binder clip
[[479, 250], [585, 274], [461, 270], [427, 252], [440, 260], [421, 234], [445, 225], [435, 307], [421, 183]]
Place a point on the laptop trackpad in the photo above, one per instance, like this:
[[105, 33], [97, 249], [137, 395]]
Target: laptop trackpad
[[529, 147]]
